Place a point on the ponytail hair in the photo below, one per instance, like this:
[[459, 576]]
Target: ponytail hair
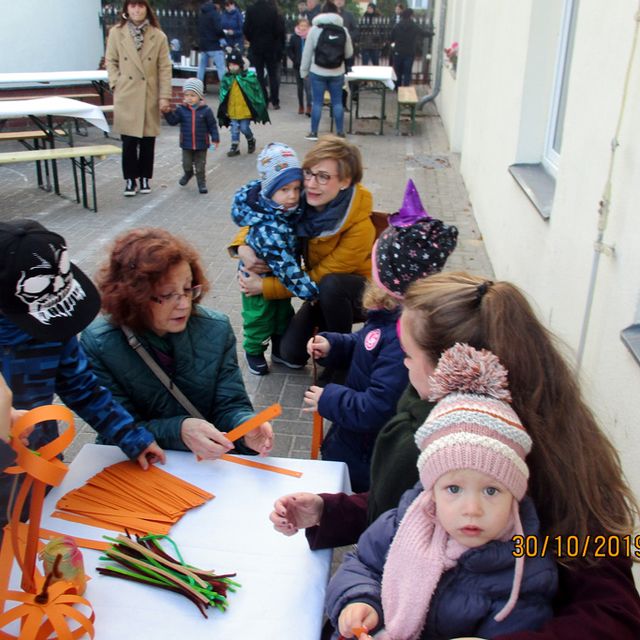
[[576, 480]]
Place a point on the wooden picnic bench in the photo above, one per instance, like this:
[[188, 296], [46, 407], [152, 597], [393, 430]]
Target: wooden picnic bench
[[407, 103], [81, 157], [74, 96], [31, 140]]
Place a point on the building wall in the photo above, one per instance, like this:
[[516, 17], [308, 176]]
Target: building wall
[[496, 111], [56, 35]]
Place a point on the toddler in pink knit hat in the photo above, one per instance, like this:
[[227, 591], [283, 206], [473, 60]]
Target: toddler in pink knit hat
[[444, 564]]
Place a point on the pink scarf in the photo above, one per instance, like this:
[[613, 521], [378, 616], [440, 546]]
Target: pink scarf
[[420, 553]]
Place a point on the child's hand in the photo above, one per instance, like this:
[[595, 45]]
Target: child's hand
[[213, 146], [311, 398], [354, 617], [296, 511], [318, 347], [6, 398]]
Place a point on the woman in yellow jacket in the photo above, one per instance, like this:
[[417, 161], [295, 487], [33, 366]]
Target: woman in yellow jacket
[[139, 70], [336, 235]]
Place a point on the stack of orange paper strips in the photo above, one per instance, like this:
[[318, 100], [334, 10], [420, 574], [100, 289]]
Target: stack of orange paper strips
[[123, 496]]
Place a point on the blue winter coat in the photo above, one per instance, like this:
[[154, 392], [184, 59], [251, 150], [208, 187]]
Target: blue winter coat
[[272, 237], [468, 596], [233, 21], [368, 399], [206, 371], [36, 371], [209, 28], [197, 126]]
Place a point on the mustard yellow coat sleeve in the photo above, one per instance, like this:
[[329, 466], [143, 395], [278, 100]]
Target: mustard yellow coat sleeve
[[138, 80], [346, 251]]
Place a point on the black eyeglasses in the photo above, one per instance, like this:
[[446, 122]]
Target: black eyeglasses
[[192, 292], [322, 177]]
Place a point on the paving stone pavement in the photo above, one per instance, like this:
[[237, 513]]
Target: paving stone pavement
[[389, 161]]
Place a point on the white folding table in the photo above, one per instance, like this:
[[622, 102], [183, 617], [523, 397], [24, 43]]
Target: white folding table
[[375, 79], [283, 582]]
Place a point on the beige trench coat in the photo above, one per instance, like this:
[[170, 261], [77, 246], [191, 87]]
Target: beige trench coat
[[138, 80]]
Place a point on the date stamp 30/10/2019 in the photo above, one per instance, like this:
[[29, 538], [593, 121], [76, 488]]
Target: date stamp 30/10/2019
[[599, 546]]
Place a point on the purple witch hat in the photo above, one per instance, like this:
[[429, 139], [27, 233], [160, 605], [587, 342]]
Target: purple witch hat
[[411, 210], [413, 246]]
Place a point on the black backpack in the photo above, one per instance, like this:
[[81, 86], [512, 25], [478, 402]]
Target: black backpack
[[329, 52]]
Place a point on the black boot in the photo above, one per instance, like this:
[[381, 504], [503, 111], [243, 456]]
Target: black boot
[[234, 151], [202, 186], [185, 178], [251, 142]]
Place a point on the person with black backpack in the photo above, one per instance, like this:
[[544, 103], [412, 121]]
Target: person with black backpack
[[323, 60]]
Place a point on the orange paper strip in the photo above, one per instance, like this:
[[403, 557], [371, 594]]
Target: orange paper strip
[[316, 435], [260, 465], [253, 423]]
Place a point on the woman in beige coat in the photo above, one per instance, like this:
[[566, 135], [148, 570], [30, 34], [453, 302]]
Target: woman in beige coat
[[139, 70]]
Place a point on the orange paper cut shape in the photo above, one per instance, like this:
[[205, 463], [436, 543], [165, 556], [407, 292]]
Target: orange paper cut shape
[[123, 496], [52, 611]]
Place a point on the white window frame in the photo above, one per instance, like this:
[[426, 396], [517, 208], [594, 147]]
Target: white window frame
[[551, 157]]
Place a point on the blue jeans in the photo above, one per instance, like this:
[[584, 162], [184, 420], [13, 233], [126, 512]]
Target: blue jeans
[[238, 126], [332, 84], [218, 61]]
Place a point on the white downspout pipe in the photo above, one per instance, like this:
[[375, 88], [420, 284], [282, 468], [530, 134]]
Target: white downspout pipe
[[439, 57]]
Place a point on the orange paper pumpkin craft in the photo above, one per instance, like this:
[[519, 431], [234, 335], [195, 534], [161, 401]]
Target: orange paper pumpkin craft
[[44, 609]]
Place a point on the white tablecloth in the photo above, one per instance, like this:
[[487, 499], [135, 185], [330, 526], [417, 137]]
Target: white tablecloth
[[283, 582], [54, 106], [44, 77], [386, 75]]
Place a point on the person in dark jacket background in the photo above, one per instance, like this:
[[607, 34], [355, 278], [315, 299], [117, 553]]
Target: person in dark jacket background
[[198, 131], [264, 29], [404, 38], [376, 378], [45, 300], [295, 47], [210, 34], [232, 25]]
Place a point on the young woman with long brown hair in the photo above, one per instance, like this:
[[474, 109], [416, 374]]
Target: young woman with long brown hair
[[576, 480]]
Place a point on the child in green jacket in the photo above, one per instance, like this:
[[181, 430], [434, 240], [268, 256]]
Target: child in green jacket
[[241, 101]]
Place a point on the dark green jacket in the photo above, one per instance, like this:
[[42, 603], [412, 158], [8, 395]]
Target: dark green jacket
[[252, 92], [206, 371]]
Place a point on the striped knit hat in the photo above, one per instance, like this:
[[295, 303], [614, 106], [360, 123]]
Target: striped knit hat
[[195, 85], [472, 427]]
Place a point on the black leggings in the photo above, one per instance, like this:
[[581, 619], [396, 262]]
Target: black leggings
[[339, 305]]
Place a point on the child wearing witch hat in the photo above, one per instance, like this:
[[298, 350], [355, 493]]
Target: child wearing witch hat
[[412, 247], [241, 102], [443, 565]]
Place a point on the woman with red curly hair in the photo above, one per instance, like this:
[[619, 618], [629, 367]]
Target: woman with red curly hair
[[150, 285]]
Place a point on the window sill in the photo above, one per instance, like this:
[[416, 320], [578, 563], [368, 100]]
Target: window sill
[[631, 338], [538, 185]]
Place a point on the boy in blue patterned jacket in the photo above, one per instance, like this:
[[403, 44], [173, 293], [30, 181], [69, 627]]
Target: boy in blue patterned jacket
[[270, 208], [45, 300], [198, 132]]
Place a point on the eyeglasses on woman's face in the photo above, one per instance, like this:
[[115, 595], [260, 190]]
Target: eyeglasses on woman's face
[[322, 177], [192, 293]]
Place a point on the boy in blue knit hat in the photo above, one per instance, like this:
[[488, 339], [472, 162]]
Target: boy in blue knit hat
[[198, 132], [270, 208]]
